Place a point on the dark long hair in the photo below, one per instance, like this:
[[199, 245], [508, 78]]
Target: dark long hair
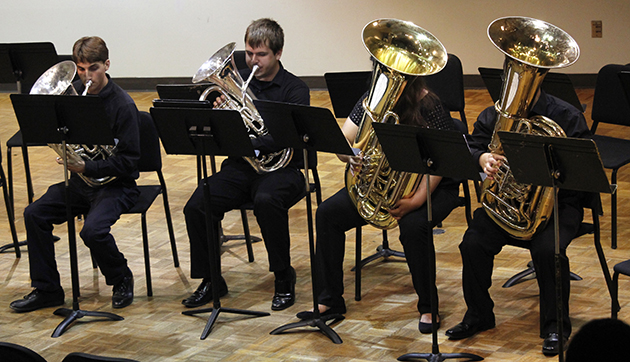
[[410, 108]]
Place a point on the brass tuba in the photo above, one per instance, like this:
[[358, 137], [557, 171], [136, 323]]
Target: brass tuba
[[221, 70], [57, 80], [532, 47], [401, 50]]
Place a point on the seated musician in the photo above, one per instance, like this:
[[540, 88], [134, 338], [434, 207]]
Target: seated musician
[[238, 182], [484, 238], [417, 106], [102, 205]]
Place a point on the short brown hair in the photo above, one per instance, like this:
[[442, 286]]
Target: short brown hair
[[267, 32], [90, 49]]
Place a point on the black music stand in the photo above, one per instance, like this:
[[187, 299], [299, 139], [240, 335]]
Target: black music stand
[[433, 152], [205, 131], [23, 63], [66, 120], [558, 163], [193, 92], [310, 129]]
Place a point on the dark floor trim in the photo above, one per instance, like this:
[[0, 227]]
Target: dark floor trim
[[471, 81]]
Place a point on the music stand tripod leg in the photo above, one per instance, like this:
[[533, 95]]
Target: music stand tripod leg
[[75, 313], [213, 253], [317, 321], [435, 355]]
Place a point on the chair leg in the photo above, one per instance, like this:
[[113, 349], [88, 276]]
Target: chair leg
[[247, 236], [169, 221], [27, 171], [10, 216], [615, 307], [10, 178], [613, 212], [147, 258], [357, 265]]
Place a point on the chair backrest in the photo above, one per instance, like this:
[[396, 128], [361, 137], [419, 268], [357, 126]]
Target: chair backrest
[[16, 353], [239, 59], [86, 357], [345, 89], [448, 85], [150, 153], [609, 101], [557, 84]]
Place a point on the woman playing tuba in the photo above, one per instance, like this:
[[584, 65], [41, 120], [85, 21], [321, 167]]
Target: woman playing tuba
[[415, 105]]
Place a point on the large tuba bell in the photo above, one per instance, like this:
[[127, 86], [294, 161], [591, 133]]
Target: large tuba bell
[[401, 49], [57, 80], [532, 47], [221, 71]]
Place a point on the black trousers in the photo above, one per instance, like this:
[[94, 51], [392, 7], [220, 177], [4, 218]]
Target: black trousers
[[338, 214], [101, 206], [272, 193], [484, 239]]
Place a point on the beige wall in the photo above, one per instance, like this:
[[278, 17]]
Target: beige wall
[[172, 38]]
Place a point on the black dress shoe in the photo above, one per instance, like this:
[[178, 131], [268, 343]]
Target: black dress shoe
[[38, 299], [551, 345], [305, 315], [426, 328], [465, 330], [123, 292], [203, 294], [284, 295]]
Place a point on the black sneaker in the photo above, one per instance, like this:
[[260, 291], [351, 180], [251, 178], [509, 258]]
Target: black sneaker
[[38, 299]]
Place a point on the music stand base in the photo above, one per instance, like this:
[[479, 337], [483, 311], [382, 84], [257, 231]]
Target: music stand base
[[319, 323], [437, 357], [72, 315], [381, 252], [6, 247], [225, 238], [215, 314]]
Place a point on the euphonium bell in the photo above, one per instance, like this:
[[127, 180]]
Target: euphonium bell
[[532, 47], [401, 50]]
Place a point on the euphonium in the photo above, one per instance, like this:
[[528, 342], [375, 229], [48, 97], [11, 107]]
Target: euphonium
[[221, 71], [532, 47], [57, 80], [401, 49]]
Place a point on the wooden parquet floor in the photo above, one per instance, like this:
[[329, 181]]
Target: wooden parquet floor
[[380, 327]]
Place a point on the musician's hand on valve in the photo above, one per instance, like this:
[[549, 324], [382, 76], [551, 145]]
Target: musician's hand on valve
[[490, 163], [219, 101], [74, 164], [355, 162]]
